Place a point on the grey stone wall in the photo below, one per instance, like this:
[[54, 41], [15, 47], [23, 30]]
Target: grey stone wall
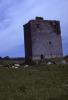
[[45, 40], [42, 37]]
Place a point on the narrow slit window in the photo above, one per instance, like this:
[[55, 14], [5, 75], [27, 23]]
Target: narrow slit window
[[38, 26], [50, 42]]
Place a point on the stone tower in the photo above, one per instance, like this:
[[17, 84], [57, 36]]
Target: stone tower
[[42, 37]]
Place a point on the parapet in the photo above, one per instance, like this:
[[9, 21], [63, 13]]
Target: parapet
[[39, 18]]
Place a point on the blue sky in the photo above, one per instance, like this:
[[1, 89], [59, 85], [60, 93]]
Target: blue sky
[[15, 13]]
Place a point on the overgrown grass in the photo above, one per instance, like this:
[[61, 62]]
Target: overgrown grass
[[34, 83]]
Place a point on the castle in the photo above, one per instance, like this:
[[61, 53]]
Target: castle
[[42, 37]]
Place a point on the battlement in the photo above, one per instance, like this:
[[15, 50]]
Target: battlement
[[39, 18]]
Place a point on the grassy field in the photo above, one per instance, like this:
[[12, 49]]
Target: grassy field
[[34, 83]]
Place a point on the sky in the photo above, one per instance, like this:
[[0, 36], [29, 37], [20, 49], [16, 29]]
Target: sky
[[15, 13]]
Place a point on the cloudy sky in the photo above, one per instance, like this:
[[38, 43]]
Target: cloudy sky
[[15, 13]]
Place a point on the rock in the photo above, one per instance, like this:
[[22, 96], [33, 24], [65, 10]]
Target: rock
[[18, 65], [13, 66], [49, 63], [63, 62], [26, 66]]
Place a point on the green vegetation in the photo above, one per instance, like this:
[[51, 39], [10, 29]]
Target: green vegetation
[[34, 83]]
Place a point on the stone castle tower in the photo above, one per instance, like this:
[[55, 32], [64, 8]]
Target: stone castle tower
[[42, 37]]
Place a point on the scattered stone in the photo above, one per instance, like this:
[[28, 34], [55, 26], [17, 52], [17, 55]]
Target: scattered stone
[[13, 66], [26, 66], [18, 65], [63, 62], [49, 63]]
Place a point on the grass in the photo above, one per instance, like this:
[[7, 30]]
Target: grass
[[34, 83]]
